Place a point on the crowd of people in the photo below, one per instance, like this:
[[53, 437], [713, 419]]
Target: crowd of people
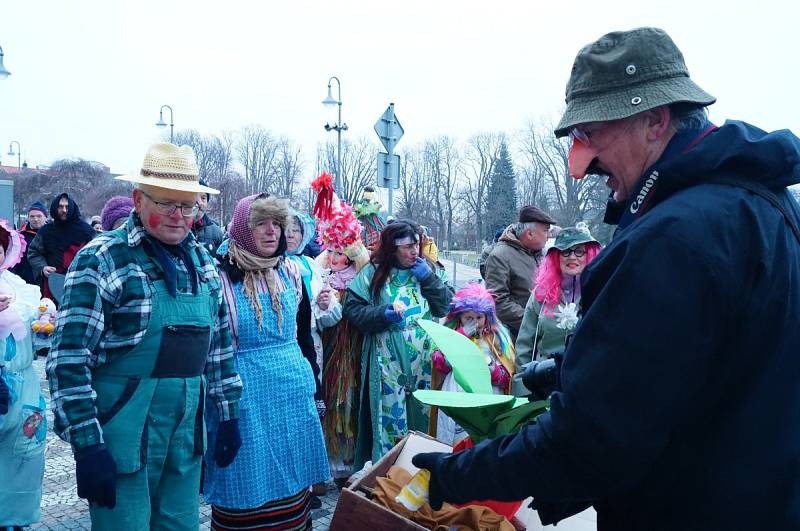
[[255, 364]]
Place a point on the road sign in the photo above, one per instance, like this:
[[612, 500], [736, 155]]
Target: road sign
[[389, 129], [388, 170]]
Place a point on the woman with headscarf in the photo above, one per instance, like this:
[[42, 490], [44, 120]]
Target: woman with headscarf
[[552, 310], [283, 450], [385, 301], [23, 425]]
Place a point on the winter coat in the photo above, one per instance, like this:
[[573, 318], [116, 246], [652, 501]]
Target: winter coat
[[208, 233], [539, 338], [509, 273], [58, 241], [679, 396], [23, 268]]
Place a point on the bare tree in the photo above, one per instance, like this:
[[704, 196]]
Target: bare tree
[[257, 152], [359, 165], [288, 168], [547, 172], [480, 157], [214, 155]]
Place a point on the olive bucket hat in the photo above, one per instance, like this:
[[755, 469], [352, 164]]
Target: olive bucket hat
[[572, 236], [624, 73]]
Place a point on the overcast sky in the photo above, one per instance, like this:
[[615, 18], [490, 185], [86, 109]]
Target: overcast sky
[[88, 77]]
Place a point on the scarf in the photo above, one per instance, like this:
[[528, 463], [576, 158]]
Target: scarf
[[339, 280], [257, 268], [165, 256]]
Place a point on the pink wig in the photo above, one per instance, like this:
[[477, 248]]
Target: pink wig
[[548, 279]]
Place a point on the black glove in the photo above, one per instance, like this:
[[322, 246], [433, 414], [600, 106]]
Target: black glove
[[5, 396], [431, 461], [228, 443], [96, 474]]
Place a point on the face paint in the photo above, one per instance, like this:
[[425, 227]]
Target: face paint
[[154, 221]]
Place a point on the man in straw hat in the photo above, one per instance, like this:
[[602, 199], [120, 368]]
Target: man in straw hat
[[142, 336], [678, 400]]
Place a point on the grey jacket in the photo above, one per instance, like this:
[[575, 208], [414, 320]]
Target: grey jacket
[[510, 270], [209, 234]]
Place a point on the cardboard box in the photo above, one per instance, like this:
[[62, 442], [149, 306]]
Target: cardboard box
[[356, 512]]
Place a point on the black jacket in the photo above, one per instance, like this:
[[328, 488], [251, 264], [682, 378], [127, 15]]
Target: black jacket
[[680, 402]]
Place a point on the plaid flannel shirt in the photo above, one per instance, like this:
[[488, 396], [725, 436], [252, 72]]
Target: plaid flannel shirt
[[104, 314]]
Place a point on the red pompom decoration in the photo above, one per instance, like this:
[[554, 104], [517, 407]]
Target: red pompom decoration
[[323, 207]]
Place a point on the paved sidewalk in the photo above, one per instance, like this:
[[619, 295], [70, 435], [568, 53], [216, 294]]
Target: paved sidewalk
[[63, 510], [460, 274]]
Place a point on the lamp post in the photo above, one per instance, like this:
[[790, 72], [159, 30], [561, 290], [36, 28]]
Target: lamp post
[[18, 153], [162, 123], [338, 127], [3, 72]]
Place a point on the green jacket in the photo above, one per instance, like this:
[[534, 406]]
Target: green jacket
[[539, 337]]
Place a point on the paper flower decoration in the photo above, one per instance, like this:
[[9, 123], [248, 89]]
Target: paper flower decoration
[[340, 229], [566, 316]]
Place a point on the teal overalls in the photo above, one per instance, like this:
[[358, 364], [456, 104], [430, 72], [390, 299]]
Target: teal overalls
[[150, 406]]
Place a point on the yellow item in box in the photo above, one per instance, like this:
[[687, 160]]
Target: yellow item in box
[[415, 494]]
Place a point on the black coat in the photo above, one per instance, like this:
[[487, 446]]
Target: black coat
[[679, 405]]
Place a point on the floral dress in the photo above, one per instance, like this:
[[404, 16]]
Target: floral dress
[[396, 358]]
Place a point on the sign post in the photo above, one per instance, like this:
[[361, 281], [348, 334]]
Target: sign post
[[389, 131]]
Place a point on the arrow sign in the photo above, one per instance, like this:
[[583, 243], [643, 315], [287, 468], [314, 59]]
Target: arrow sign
[[389, 129]]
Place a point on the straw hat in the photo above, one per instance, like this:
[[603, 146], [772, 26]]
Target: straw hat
[[172, 167]]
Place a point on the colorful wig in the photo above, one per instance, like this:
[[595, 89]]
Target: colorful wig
[[548, 280], [473, 297], [476, 298]]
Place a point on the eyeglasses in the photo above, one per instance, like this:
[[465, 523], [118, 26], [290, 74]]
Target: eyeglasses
[[579, 253], [167, 209]]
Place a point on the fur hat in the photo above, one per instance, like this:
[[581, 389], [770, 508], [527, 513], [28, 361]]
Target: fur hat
[[250, 211], [116, 208]]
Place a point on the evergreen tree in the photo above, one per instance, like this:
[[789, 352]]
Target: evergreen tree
[[501, 199]]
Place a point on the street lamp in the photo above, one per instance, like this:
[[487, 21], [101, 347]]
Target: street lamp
[[338, 127], [18, 153], [3, 72], [162, 123]]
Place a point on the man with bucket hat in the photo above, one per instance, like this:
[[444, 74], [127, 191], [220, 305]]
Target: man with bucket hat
[[142, 337], [678, 399]]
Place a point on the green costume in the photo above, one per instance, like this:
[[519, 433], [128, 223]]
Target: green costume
[[150, 404], [148, 409], [395, 359]]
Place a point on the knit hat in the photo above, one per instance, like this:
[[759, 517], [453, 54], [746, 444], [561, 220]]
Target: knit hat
[[117, 207], [38, 205]]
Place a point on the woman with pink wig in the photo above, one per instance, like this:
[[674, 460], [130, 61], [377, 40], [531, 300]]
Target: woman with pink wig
[[472, 313], [552, 310]]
